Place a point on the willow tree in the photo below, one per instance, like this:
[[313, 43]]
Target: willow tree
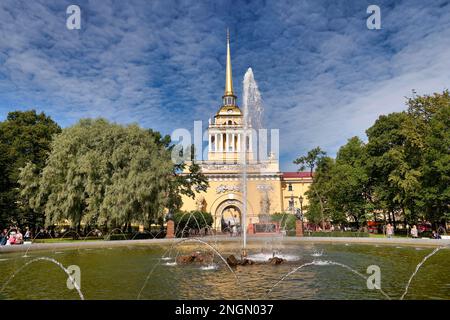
[[108, 175]]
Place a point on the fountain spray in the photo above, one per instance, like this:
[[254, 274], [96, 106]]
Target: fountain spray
[[244, 167], [252, 107]]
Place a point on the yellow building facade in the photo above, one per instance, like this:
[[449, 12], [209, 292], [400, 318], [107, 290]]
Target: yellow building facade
[[231, 151]]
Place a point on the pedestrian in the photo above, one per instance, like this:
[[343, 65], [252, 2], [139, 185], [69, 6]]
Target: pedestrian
[[414, 232], [436, 235], [4, 237], [27, 236], [19, 237], [234, 230], [389, 231], [11, 238]]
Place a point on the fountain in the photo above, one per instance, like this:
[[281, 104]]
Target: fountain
[[66, 271], [248, 99], [252, 121], [214, 274]]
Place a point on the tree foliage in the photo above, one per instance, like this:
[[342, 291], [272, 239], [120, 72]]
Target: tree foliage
[[195, 220], [108, 175], [25, 137], [403, 169], [311, 159], [286, 220]]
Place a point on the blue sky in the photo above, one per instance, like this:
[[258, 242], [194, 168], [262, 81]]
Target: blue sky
[[324, 77]]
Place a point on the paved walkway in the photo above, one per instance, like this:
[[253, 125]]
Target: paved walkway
[[221, 238]]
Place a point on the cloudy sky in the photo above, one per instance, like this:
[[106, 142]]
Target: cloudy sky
[[323, 75]]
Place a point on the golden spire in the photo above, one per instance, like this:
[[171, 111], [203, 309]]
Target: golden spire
[[229, 76]]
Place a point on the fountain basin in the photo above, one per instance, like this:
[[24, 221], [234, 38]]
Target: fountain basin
[[119, 270]]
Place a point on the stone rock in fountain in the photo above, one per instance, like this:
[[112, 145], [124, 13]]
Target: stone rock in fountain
[[246, 261], [232, 261], [195, 257], [185, 259], [276, 260]]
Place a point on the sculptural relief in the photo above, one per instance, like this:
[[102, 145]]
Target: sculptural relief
[[200, 203], [228, 188]]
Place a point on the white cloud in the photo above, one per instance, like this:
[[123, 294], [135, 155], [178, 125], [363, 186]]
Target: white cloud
[[324, 77]]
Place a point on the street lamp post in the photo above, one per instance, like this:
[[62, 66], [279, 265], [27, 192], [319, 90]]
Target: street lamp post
[[299, 218], [170, 228], [300, 199], [291, 204]]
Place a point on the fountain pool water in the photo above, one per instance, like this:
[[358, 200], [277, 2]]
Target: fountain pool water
[[124, 272]]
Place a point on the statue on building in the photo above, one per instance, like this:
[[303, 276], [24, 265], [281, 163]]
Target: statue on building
[[265, 208], [200, 203]]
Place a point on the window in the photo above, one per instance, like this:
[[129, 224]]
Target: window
[[291, 204], [228, 101], [290, 187]]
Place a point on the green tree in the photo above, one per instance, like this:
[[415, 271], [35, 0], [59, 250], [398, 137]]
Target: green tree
[[286, 220], [429, 129], [310, 160], [402, 171], [109, 175], [319, 209], [407, 156], [195, 220], [391, 175], [25, 136], [349, 192]]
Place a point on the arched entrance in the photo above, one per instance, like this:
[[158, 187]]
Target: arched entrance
[[228, 214], [230, 217]]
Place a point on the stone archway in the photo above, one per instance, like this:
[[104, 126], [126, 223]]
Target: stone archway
[[231, 216], [228, 211]]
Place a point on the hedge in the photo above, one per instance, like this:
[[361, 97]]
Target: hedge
[[337, 234]]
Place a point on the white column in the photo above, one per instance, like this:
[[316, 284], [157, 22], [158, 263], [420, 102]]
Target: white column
[[221, 142], [216, 143], [210, 142], [239, 143], [231, 142], [233, 146], [227, 142]]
